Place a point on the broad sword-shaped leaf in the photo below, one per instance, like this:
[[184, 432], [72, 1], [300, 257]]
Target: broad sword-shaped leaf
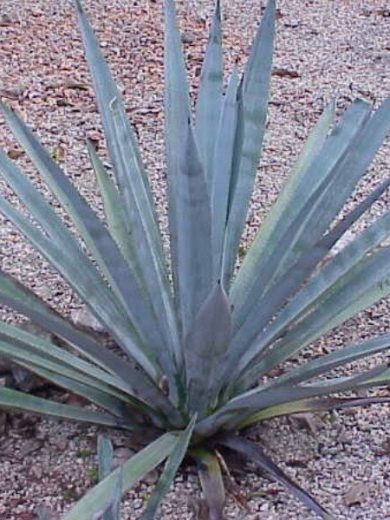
[[136, 195], [171, 466], [288, 202], [222, 171], [132, 471], [209, 102], [193, 241], [253, 108], [204, 347], [28, 403]]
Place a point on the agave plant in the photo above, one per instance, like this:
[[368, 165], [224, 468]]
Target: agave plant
[[200, 338]]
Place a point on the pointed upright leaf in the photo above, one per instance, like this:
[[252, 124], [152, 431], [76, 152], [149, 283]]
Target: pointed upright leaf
[[255, 91], [86, 282], [193, 239], [105, 456], [113, 208], [288, 202], [98, 240], [209, 102], [136, 195], [204, 348], [222, 170], [282, 245], [105, 463], [177, 115]]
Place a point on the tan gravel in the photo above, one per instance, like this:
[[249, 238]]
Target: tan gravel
[[329, 48]]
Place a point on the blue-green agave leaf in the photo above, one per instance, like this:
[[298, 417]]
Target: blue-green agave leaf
[[193, 241], [309, 225], [47, 349], [256, 456], [18, 297], [205, 345], [340, 357], [105, 463], [94, 233], [263, 397], [105, 456], [361, 286], [10, 398], [324, 173], [114, 211], [132, 471], [290, 201], [74, 384], [309, 296], [310, 405], [209, 102], [171, 466], [222, 171], [253, 107], [86, 282], [136, 195], [177, 116], [21, 352]]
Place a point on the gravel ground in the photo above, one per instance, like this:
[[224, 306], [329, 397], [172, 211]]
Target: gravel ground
[[324, 48]]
